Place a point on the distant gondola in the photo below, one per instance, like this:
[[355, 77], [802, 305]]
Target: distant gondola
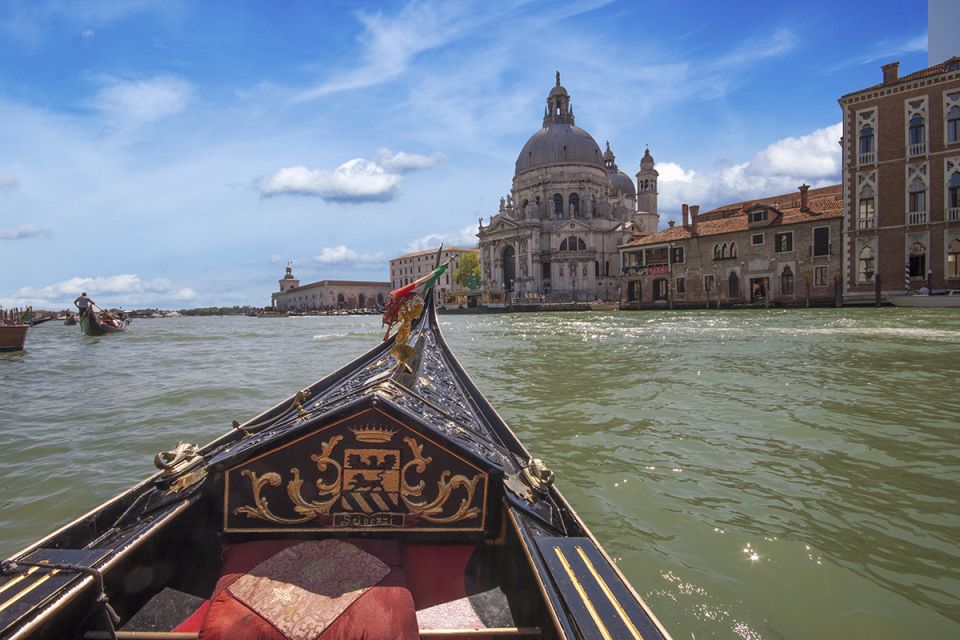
[[98, 324], [387, 500]]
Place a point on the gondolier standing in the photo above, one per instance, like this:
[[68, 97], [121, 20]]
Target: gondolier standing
[[83, 303]]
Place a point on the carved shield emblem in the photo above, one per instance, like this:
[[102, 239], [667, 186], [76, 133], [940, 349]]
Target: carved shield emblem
[[371, 480]]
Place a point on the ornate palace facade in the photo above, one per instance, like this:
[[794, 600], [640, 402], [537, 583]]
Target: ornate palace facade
[[570, 207]]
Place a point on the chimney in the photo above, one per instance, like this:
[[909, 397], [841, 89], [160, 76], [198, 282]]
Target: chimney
[[670, 223], [891, 72], [694, 212], [686, 215], [804, 200]]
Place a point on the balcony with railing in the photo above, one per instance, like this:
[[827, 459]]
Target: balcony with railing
[[867, 157], [917, 149], [866, 222], [953, 214], [916, 217]]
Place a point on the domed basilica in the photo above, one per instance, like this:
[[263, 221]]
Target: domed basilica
[[556, 234]]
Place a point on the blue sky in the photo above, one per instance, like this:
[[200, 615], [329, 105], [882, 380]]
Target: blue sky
[[174, 154]]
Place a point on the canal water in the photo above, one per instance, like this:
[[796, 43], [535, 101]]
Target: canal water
[[756, 474]]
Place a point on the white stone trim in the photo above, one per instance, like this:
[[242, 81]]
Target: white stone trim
[[864, 118], [865, 180], [950, 165], [916, 107], [914, 171], [951, 98]]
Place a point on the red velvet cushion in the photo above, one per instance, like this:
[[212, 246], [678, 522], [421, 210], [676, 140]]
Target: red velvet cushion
[[384, 612]]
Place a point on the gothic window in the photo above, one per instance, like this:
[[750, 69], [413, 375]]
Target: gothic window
[[918, 260], [867, 208], [574, 205], [953, 125], [723, 250], [917, 196], [953, 196], [953, 259], [865, 265], [916, 133], [786, 281], [733, 250], [866, 141], [733, 284], [716, 252], [558, 206]]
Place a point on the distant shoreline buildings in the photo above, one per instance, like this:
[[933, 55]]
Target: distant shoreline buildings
[[574, 227]]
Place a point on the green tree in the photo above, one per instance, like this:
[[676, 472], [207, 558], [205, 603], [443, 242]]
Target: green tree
[[468, 271]]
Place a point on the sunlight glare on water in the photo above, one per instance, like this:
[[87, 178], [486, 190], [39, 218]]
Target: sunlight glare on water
[[756, 474]]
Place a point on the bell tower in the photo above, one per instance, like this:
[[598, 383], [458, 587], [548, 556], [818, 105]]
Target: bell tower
[[646, 216], [288, 281]]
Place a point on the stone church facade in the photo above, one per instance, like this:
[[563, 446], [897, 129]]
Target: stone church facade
[[557, 233]]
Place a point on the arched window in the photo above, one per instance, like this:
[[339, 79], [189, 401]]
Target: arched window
[[340, 299], [564, 245], [865, 265], [716, 252], [733, 249], [523, 208], [917, 131], [867, 208], [593, 206], [953, 125], [581, 245], [866, 143], [953, 196], [558, 206], [574, 205], [733, 284], [723, 250], [917, 199], [918, 260], [953, 259], [786, 281]]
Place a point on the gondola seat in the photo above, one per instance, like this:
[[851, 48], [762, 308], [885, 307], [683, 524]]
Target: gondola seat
[[311, 590]]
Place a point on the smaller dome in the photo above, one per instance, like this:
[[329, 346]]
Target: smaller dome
[[559, 89], [608, 154], [647, 159], [622, 184]]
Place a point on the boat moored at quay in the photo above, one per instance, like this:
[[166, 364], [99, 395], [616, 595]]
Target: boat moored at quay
[[387, 500]]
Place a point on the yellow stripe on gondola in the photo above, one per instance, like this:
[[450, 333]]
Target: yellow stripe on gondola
[[607, 592], [17, 579], [583, 595], [28, 589]]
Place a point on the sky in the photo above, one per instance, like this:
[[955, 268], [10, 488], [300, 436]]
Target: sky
[[178, 154]]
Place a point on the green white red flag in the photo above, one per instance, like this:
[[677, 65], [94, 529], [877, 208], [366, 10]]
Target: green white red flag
[[418, 287]]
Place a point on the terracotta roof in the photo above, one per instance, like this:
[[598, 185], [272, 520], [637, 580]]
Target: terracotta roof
[[433, 252], [823, 204], [936, 69]]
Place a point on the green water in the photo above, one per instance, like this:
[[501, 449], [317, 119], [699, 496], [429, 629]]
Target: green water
[[756, 474]]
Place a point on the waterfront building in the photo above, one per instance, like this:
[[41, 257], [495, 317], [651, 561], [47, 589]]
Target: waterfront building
[[328, 294], [413, 266], [901, 183], [782, 250], [557, 232]]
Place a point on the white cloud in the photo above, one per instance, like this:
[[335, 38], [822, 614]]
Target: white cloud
[[887, 51], [778, 168], [120, 290], [129, 104], [465, 237], [342, 255], [22, 232], [402, 162], [357, 180], [86, 34], [8, 183]]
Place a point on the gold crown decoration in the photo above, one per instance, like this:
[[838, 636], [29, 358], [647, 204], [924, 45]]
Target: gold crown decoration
[[373, 434]]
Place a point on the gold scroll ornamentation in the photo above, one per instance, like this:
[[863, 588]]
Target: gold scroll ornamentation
[[329, 493], [445, 487]]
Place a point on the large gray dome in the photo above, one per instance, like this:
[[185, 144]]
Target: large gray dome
[[559, 143], [622, 184]]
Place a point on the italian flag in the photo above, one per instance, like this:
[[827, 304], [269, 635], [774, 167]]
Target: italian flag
[[419, 287]]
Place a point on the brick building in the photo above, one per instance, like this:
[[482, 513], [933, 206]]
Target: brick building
[[901, 182], [782, 250]]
